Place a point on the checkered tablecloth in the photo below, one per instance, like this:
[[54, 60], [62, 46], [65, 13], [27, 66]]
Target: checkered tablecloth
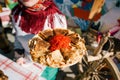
[[17, 72]]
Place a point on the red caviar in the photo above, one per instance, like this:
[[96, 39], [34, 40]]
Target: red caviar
[[59, 41]]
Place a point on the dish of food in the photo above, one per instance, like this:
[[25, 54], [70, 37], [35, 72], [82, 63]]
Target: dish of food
[[57, 48]]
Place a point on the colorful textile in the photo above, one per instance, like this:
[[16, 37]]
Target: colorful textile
[[50, 73], [67, 7], [83, 24]]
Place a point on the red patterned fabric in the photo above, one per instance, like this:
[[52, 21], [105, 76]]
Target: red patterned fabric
[[32, 21]]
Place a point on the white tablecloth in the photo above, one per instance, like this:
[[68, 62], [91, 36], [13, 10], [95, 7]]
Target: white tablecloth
[[17, 72]]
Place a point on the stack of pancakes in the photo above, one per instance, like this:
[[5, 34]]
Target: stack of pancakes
[[40, 49]]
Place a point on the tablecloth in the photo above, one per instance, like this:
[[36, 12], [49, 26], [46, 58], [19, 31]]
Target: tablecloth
[[17, 72]]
